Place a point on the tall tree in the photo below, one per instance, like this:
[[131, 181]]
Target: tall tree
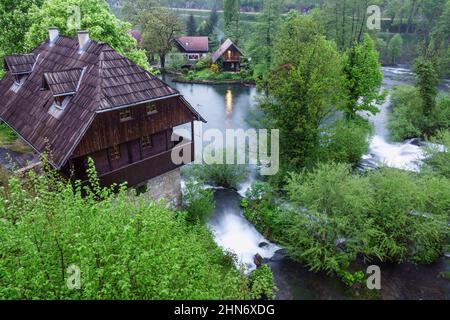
[[94, 17], [303, 87], [133, 9], [427, 83], [395, 47], [14, 23], [191, 26], [232, 19], [364, 77], [213, 19], [160, 27], [261, 44]]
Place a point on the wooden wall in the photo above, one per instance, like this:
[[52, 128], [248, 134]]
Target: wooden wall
[[107, 129]]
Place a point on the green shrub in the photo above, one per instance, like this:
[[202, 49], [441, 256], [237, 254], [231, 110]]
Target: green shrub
[[262, 284], [125, 247], [345, 141], [198, 202], [438, 159], [404, 121], [176, 60], [386, 215], [407, 119]]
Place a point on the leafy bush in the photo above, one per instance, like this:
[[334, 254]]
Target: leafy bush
[[176, 60], [125, 247], [387, 215], [407, 119], [404, 121], [214, 68], [7, 136], [204, 62], [262, 284], [345, 141], [438, 154], [198, 202]]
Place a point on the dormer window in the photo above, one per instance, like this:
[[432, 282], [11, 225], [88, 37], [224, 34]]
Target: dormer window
[[20, 66], [63, 84]]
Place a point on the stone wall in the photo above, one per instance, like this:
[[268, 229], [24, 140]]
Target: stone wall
[[166, 186]]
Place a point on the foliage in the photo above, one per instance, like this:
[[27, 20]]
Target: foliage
[[198, 202], [214, 68], [232, 20], [438, 154], [408, 118], [95, 17], [7, 136], [191, 26], [387, 215], [364, 77], [261, 43], [345, 141], [304, 86], [203, 62], [405, 120], [176, 60], [427, 84], [395, 47], [212, 172], [210, 75], [125, 246], [14, 23], [262, 284], [160, 27]]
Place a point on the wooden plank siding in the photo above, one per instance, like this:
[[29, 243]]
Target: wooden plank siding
[[107, 129]]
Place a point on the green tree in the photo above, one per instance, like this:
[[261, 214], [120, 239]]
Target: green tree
[[395, 47], [191, 26], [95, 17], [364, 77], [131, 10], [261, 45], [160, 27], [427, 83], [14, 23], [303, 86], [232, 20]]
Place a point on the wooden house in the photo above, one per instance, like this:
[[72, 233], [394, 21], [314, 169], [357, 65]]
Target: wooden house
[[228, 56], [193, 48], [80, 98]]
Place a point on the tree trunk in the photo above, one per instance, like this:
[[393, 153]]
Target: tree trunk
[[162, 59]]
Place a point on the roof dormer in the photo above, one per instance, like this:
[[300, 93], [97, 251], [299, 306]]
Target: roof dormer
[[63, 85], [20, 66]]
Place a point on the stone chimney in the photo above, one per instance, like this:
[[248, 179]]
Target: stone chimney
[[53, 34], [83, 40]]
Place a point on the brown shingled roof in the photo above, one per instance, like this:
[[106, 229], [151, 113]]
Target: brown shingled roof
[[20, 64], [62, 82], [193, 44], [108, 81], [223, 48]]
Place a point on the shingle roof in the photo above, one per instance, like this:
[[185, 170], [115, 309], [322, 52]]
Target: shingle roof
[[194, 44], [20, 64], [62, 82], [223, 48], [108, 81]]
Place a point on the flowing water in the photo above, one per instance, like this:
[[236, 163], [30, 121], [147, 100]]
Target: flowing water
[[226, 107]]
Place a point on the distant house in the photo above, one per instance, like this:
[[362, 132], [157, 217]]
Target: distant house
[[193, 48], [229, 55], [81, 99]]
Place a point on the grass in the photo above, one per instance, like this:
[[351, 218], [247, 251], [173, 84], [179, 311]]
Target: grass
[[9, 140], [207, 74]]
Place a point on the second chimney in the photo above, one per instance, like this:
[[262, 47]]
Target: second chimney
[[53, 34], [83, 40]]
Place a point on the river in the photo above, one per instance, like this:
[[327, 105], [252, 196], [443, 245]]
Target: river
[[227, 107]]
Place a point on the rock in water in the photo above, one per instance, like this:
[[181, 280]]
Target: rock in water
[[258, 260]]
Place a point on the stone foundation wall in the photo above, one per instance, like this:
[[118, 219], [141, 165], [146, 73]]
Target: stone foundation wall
[[166, 186]]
